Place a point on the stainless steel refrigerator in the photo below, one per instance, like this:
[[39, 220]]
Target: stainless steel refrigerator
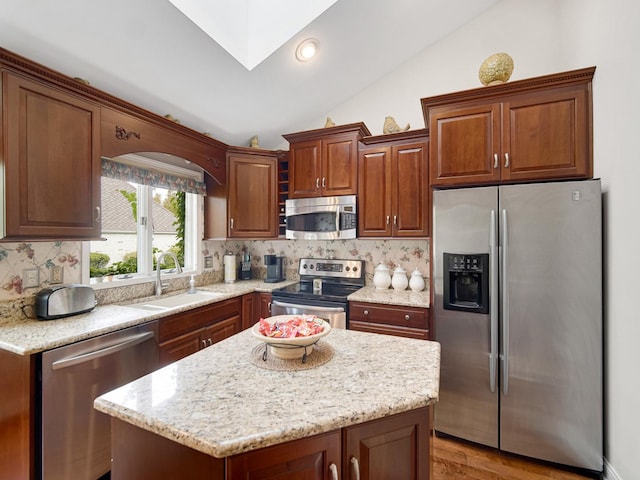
[[517, 273]]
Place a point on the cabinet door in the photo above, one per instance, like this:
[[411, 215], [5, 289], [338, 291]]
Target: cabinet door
[[411, 193], [465, 144], [394, 447], [249, 308], [305, 169], [305, 459], [253, 197], [546, 135], [180, 347], [339, 165], [219, 331], [263, 306], [374, 192], [51, 162]]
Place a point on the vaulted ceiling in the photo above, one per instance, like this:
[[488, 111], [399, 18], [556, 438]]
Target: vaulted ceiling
[[150, 53]]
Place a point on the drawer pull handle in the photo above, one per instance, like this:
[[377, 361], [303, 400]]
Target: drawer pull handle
[[204, 344], [495, 160], [209, 341], [366, 312], [407, 317]]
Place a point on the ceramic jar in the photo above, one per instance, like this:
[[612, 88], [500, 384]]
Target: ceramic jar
[[416, 283], [399, 280], [382, 277]]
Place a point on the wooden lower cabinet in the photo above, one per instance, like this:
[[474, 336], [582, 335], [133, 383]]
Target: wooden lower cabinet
[[412, 322], [394, 447], [185, 333]]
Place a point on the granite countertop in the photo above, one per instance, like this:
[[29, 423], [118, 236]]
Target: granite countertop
[[29, 336], [219, 401], [390, 296]]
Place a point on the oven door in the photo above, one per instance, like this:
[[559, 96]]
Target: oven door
[[335, 315]]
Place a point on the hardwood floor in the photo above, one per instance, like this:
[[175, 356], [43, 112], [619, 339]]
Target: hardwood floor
[[457, 460]]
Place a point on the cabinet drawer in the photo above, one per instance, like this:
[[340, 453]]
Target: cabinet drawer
[[418, 333], [389, 315], [185, 322]]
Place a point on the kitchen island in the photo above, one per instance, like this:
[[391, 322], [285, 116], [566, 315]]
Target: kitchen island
[[218, 411]]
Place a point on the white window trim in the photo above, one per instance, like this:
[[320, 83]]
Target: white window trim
[[197, 207]]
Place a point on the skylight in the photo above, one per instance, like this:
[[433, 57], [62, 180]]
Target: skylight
[[251, 30]]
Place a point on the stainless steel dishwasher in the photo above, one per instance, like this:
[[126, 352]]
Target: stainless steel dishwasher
[[75, 438]]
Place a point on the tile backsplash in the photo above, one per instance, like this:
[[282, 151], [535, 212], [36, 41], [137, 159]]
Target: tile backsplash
[[27, 267]]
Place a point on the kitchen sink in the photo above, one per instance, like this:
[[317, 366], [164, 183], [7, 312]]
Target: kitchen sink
[[177, 301]]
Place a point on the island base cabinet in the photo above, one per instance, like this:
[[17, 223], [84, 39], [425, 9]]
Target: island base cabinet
[[396, 447]]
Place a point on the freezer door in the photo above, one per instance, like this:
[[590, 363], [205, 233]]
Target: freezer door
[[467, 408], [551, 403]]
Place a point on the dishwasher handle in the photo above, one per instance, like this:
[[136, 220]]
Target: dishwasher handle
[[111, 349]]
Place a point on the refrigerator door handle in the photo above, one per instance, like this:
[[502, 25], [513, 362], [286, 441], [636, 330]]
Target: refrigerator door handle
[[504, 356], [493, 301]]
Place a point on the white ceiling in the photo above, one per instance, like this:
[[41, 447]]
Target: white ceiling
[[149, 53]]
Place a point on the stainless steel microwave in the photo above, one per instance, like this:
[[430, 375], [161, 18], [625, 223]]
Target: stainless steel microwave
[[321, 218]]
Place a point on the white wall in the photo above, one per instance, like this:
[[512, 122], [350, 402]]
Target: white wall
[[548, 36]]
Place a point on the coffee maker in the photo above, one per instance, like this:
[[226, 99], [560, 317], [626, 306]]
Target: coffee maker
[[275, 268]]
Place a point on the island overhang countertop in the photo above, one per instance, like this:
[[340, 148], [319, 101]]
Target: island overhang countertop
[[221, 401]]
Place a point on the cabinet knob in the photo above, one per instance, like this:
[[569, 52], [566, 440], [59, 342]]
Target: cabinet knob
[[388, 219], [209, 341], [204, 344], [407, 317], [324, 182], [495, 160], [356, 468], [231, 223], [98, 216], [317, 182], [269, 307], [366, 312], [506, 160], [395, 220]]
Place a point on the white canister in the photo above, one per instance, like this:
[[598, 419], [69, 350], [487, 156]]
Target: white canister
[[381, 277], [416, 282], [399, 281], [229, 267]]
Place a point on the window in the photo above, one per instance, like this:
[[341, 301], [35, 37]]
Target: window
[[145, 212]]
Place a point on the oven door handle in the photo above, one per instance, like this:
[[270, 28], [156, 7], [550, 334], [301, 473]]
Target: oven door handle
[[308, 307]]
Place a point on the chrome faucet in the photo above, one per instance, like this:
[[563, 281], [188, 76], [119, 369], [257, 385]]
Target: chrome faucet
[[159, 284]]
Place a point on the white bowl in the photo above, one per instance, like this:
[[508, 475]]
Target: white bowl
[[290, 348]]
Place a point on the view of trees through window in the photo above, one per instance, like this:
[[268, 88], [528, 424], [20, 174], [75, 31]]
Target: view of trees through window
[[137, 218]]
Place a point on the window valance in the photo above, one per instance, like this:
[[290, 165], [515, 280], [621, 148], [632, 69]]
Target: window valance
[[143, 176]]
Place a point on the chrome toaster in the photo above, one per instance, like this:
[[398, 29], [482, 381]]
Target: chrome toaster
[[64, 301]]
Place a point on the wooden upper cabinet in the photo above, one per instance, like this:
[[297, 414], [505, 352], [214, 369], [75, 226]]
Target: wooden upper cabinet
[[247, 205], [127, 132], [323, 162], [51, 164], [393, 186], [535, 129], [253, 195]]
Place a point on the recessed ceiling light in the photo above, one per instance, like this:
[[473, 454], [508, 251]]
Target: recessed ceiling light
[[307, 49]]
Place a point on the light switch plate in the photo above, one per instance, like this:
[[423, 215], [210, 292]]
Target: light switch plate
[[55, 275], [30, 277]]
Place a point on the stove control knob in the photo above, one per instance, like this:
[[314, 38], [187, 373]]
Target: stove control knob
[[347, 268], [304, 266], [355, 269]]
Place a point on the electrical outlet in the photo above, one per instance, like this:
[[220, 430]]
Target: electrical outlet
[[30, 277], [208, 262], [55, 275]]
